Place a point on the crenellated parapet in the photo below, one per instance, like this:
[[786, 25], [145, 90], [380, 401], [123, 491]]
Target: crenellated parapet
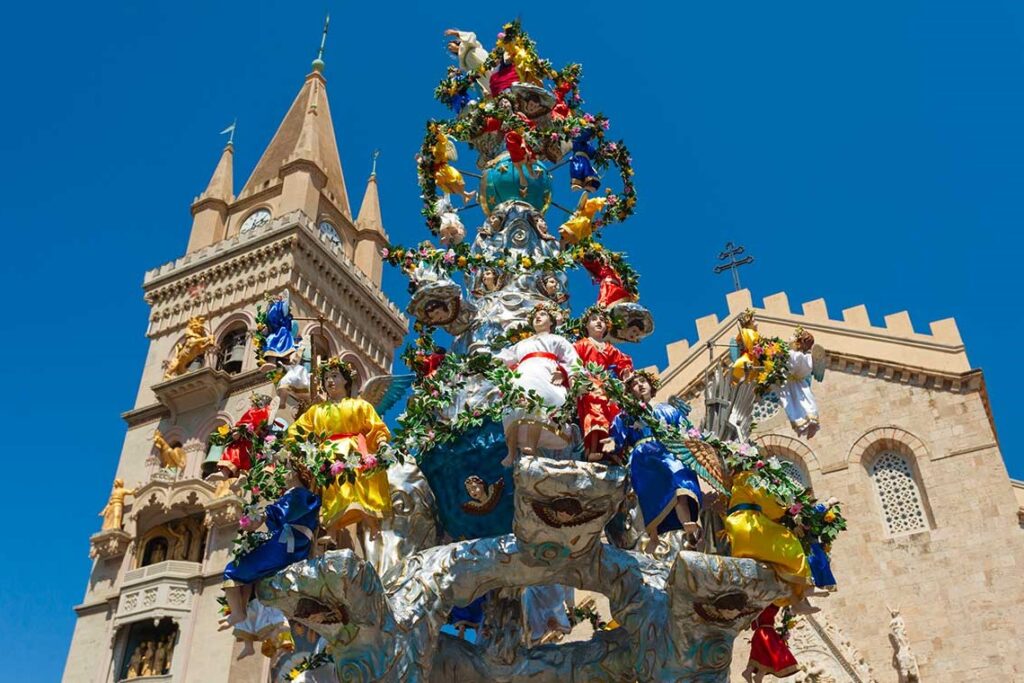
[[894, 351]]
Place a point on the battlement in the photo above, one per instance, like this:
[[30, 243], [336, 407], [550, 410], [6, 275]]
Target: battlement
[[942, 350]]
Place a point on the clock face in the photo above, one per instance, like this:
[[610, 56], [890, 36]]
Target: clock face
[[330, 232], [256, 219]]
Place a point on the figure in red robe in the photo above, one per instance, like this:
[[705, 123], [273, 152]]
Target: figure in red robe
[[769, 653], [596, 410], [612, 289], [237, 455]]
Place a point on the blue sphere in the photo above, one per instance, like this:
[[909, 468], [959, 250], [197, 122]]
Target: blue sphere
[[502, 182]]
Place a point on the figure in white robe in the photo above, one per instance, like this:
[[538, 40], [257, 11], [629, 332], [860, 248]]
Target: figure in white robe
[[261, 623], [470, 53], [543, 362], [795, 395]]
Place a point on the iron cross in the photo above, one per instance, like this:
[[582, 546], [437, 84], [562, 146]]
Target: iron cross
[[730, 253]]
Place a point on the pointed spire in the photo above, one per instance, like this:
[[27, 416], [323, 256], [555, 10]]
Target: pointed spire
[[222, 181], [369, 211], [306, 134]]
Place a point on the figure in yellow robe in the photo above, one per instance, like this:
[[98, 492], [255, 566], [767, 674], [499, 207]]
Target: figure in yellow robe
[[355, 425], [580, 225], [752, 527], [744, 366]]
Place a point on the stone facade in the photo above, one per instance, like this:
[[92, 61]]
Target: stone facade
[[306, 244], [907, 432]]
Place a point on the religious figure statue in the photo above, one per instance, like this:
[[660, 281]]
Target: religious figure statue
[[595, 409], [197, 341], [113, 512], [903, 659], [172, 457], [148, 657], [135, 663], [161, 659]]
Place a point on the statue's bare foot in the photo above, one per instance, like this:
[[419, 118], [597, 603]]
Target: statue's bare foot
[[507, 462], [247, 650]]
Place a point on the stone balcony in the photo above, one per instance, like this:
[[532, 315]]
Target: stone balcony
[[193, 389], [164, 589]]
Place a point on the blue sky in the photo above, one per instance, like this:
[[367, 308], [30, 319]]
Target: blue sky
[[868, 153]]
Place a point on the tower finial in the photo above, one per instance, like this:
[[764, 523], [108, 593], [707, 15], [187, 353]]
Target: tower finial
[[373, 171], [318, 63], [230, 132]]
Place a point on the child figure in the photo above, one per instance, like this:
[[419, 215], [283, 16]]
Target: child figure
[[745, 367], [769, 653], [668, 491], [237, 456], [581, 171], [795, 396], [542, 362], [612, 289], [292, 522], [596, 411], [353, 425], [580, 224], [447, 176], [452, 231], [262, 623]]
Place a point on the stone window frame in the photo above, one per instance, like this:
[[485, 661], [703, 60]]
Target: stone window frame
[[793, 451], [877, 442]]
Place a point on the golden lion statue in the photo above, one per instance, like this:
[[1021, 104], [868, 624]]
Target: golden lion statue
[[196, 343]]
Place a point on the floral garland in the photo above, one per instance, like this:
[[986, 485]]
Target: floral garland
[[788, 623], [329, 464], [811, 520], [771, 356], [579, 614], [307, 664]]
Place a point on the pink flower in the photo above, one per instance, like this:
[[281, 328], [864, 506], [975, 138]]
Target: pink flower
[[744, 448], [385, 252], [613, 200], [449, 256], [612, 146], [244, 522], [693, 433], [256, 490], [337, 467], [795, 508], [759, 464], [589, 118], [368, 462], [501, 35], [606, 124], [574, 131], [269, 438], [554, 137]]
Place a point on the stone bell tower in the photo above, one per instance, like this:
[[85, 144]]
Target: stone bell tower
[[150, 605]]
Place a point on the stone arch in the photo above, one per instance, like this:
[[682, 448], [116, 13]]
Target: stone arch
[[890, 457], [315, 328], [244, 316], [359, 366], [792, 452], [890, 437]]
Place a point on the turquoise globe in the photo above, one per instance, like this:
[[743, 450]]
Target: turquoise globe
[[501, 182]]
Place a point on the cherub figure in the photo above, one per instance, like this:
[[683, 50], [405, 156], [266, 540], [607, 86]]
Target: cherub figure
[[542, 362], [668, 491], [747, 340], [484, 497], [353, 425], [237, 456], [795, 395], [292, 521], [541, 226], [595, 409], [113, 512], [447, 176], [580, 225], [550, 286], [452, 231], [170, 456], [195, 343]]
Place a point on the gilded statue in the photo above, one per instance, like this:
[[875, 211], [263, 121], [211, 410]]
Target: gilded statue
[[170, 456], [196, 342], [135, 663], [148, 654], [113, 512]]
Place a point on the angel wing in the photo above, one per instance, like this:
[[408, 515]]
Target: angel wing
[[680, 405], [700, 457], [450, 151], [819, 361], [384, 391], [734, 350]]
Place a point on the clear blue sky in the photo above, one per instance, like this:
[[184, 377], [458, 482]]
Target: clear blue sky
[[867, 153]]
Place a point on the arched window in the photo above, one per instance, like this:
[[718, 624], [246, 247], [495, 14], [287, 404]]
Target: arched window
[[796, 472], [232, 350], [899, 494]]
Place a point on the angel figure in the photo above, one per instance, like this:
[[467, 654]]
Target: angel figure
[[484, 497], [281, 333], [447, 176], [595, 409], [195, 343], [550, 286], [769, 653], [541, 226], [581, 170], [612, 289], [295, 379], [237, 456], [172, 457], [471, 56], [805, 361], [452, 231], [291, 521], [580, 225], [542, 361], [668, 491], [354, 426], [747, 340], [113, 512]]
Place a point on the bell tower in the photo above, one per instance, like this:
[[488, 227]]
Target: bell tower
[[151, 600]]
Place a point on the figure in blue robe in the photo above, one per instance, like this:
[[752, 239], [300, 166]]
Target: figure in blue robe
[[659, 478], [280, 341], [821, 567], [292, 521], [581, 170]]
